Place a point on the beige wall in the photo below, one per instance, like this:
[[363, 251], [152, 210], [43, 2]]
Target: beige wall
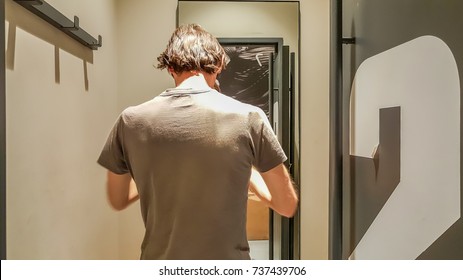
[[315, 124], [246, 19], [61, 100], [144, 28], [59, 113]]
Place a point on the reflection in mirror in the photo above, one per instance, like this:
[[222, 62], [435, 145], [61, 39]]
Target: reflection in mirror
[[246, 77], [255, 75]]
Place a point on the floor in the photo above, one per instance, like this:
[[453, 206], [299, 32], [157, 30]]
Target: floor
[[259, 249]]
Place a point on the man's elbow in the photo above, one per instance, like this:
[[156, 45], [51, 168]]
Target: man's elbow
[[117, 205]]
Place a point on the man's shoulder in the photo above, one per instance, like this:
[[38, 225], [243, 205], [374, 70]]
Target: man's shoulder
[[229, 104], [133, 112], [144, 106]]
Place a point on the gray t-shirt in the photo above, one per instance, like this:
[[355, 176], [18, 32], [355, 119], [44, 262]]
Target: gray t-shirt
[[190, 153]]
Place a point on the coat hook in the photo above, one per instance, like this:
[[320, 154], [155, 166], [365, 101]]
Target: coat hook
[[96, 45], [75, 26], [76, 22]]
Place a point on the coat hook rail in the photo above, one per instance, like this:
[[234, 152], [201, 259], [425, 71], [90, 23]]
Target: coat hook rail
[[57, 19]]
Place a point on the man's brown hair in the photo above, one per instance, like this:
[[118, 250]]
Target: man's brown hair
[[191, 48]]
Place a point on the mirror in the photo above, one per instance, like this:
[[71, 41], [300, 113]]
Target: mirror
[[262, 40]]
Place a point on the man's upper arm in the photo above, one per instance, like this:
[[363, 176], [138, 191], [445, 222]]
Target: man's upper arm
[[121, 189], [112, 156], [267, 151]]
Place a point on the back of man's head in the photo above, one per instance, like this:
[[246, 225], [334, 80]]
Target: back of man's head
[[191, 48]]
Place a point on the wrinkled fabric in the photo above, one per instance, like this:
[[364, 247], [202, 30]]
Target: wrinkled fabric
[[190, 153]]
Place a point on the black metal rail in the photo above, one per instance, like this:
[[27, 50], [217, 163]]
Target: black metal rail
[[335, 171], [57, 19]]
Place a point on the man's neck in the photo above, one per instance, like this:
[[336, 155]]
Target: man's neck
[[194, 80]]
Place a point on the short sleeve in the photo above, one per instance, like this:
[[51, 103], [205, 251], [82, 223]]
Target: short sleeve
[[112, 156], [267, 151]]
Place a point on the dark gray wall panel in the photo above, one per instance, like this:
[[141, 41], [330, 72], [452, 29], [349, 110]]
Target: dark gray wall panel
[[374, 180], [378, 26]]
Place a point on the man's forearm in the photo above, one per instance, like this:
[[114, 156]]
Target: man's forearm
[[283, 197]]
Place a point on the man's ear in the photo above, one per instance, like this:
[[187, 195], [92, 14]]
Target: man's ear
[[171, 71]]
